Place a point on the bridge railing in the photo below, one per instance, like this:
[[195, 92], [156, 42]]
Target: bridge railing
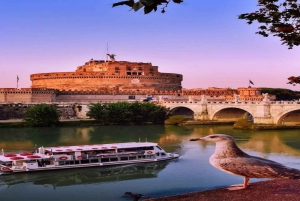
[[232, 102]]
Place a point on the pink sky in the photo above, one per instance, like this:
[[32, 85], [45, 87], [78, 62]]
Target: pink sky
[[203, 40]]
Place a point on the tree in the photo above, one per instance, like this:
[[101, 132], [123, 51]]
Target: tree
[[148, 5], [282, 94], [148, 112], [279, 18], [294, 80], [119, 113], [42, 115], [99, 112], [127, 113]]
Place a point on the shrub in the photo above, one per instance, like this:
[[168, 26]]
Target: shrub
[[175, 120], [243, 123], [127, 113], [42, 115]]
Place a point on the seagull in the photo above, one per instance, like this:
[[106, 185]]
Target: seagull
[[229, 158]]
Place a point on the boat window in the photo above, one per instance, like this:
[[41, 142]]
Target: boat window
[[159, 148], [123, 158], [132, 157], [104, 159], [157, 154], [163, 154], [143, 148], [94, 160], [61, 163], [76, 162], [85, 161], [113, 159], [7, 163], [141, 156], [69, 162]]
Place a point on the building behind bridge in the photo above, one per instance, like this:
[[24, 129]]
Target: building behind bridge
[[110, 81]]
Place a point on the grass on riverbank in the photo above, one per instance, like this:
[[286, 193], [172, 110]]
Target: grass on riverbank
[[245, 124]]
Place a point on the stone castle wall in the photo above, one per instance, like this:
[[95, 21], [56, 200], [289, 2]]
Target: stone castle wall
[[17, 110], [26, 95], [101, 76], [30, 95]]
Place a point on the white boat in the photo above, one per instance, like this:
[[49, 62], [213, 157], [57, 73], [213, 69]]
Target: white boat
[[66, 157]]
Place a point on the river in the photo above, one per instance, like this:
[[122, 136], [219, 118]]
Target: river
[[191, 172]]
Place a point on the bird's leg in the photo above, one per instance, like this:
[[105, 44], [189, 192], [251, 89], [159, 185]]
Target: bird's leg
[[246, 182], [240, 186]]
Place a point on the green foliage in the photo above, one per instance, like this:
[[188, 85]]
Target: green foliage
[[243, 124], [99, 112], [148, 5], [42, 115], [119, 113], [175, 120], [277, 18], [294, 80], [280, 18], [127, 113], [282, 94]]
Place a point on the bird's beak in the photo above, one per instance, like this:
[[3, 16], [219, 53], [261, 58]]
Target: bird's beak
[[195, 139]]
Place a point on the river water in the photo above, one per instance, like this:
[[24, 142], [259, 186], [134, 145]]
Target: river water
[[191, 172]]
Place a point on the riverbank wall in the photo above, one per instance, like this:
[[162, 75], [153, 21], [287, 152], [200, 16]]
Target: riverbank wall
[[17, 110]]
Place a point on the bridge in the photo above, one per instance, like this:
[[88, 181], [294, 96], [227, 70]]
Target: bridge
[[263, 112]]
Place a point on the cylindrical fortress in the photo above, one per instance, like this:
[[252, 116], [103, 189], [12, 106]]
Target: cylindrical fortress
[[109, 75]]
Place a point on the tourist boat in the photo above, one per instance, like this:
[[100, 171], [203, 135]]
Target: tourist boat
[[66, 157]]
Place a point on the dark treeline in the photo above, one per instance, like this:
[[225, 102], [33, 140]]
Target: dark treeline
[[127, 113], [282, 94]]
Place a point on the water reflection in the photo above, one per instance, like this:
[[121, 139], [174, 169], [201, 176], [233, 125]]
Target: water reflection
[[167, 178], [276, 141], [170, 137], [85, 176]]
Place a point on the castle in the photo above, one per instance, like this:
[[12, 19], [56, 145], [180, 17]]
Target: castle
[[101, 75], [110, 81]]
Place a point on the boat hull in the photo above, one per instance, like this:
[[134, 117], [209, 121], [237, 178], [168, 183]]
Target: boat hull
[[61, 158]]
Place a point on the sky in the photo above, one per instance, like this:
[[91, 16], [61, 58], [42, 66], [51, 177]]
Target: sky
[[202, 40]]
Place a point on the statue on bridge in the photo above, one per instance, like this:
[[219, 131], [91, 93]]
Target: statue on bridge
[[191, 99], [160, 99], [236, 98], [266, 97], [203, 99]]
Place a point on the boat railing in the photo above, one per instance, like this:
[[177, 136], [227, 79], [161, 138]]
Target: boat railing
[[112, 154]]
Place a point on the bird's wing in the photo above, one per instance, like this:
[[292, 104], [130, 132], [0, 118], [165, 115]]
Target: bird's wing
[[256, 167]]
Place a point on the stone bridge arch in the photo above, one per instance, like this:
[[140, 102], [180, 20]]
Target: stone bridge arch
[[183, 111], [231, 114], [290, 117]]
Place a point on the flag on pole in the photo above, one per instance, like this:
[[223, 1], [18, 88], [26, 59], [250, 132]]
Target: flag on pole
[[251, 82], [17, 78]]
